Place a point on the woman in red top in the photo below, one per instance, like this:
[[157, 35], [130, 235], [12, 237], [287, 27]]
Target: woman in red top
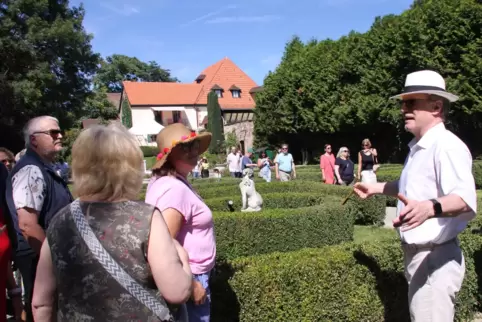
[[327, 165], [7, 281]]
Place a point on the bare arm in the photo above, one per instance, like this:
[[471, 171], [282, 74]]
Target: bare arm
[[337, 173], [387, 188], [45, 286], [293, 167], [359, 164], [171, 271], [31, 230]]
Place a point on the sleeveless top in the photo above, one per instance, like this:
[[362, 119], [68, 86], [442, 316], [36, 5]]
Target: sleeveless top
[[367, 161], [85, 291]]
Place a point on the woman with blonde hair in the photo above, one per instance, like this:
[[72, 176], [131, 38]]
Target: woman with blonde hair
[[367, 163], [188, 218], [106, 257], [344, 167]]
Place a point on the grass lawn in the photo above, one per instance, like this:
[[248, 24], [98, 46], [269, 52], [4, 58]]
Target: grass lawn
[[368, 233]]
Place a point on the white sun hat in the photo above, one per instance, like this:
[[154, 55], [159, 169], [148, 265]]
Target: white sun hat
[[426, 82]]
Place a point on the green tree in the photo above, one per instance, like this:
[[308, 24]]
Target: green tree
[[118, 68], [338, 91], [126, 114], [215, 124], [46, 63]]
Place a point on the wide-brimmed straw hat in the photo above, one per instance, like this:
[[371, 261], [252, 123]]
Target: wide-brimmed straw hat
[[174, 135], [425, 82]]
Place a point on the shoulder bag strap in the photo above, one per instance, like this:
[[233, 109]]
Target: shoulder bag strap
[[157, 306]]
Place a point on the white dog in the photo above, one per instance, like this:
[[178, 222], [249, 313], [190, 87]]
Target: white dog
[[252, 200]]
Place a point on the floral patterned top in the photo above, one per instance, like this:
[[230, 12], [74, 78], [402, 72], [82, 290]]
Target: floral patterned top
[[86, 291]]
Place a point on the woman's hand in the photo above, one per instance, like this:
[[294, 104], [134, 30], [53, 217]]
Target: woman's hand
[[198, 293]]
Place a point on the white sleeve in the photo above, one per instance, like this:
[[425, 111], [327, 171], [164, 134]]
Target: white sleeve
[[454, 174], [29, 188]]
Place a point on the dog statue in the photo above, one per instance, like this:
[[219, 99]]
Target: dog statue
[[252, 200]]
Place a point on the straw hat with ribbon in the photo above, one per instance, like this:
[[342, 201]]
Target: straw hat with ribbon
[[174, 135]]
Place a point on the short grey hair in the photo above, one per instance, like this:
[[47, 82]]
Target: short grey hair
[[32, 126]]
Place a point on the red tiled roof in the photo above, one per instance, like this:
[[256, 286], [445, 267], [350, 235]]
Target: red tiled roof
[[224, 73], [161, 93]]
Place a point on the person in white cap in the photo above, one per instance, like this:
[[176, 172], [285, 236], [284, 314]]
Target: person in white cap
[[437, 199]]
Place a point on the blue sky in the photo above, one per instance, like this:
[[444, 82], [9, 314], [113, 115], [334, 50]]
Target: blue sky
[[187, 36]]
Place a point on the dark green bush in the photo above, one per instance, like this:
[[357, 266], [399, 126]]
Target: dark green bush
[[280, 230], [149, 151], [295, 186], [371, 211], [309, 285], [349, 282], [274, 201], [477, 171]]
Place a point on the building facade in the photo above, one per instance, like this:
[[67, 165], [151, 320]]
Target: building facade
[[154, 105]]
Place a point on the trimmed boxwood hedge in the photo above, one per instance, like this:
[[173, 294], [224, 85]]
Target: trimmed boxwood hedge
[[349, 282], [273, 201], [280, 230]]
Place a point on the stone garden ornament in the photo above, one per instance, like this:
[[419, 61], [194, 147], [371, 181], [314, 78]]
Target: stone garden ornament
[[252, 200]]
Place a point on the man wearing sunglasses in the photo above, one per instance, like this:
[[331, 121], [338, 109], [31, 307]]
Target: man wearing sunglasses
[[35, 193], [437, 199]]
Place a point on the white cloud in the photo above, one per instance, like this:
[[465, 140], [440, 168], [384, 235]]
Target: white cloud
[[244, 19], [122, 9], [209, 15]]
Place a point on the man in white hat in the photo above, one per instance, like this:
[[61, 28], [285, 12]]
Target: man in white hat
[[437, 199]]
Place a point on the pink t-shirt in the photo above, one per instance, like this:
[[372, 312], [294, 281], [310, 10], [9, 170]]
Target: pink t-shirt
[[197, 232]]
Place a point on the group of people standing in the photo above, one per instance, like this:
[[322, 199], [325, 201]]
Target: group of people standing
[[284, 164], [341, 170], [106, 256]]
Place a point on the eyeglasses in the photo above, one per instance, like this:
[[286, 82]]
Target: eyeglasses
[[284, 148], [189, 146], [365, 144], [53, 133], [344, 151], [6, 161], [410, 103]]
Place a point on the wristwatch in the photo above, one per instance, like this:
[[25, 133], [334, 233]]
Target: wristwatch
[[437, 207]]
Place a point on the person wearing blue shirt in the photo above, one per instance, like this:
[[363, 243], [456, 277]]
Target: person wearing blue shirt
[[246, 160], [285, 165]]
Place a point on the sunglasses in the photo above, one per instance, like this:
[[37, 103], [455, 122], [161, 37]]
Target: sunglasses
[[53, 133], [344, 151], [189, 146], [5, 161]]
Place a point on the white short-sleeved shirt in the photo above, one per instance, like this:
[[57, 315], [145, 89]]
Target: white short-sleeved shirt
[[439, 164], [29, 188], [233, 162]]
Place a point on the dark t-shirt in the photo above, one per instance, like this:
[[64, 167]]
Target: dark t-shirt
[[244, 161], [346, 169]]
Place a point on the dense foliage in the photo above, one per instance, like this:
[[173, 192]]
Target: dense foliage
[[215, 124], [118, 68], [338, 91], [46, 63]]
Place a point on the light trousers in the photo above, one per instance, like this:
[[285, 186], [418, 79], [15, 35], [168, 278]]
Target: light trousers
[[434, 275]]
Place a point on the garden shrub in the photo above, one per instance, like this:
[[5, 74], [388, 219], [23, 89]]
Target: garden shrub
[[348, 282], [280, 230], [272, 187], [370, 211], [308, 285], [274, 201], [477, 171], [149, 151]]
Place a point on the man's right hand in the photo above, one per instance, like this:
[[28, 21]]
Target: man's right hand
[[198, 293], [364, 190]]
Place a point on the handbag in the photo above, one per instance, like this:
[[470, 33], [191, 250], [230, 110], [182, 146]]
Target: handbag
[[156, 305]]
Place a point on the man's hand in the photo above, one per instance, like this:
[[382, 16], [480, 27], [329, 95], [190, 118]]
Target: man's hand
[[364, 190], [414, 213], [198, 293], [277, 176], [294, 175]]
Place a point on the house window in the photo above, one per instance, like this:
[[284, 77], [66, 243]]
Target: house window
[[236, 94], [151, 138], [176, 116], [218, 92]]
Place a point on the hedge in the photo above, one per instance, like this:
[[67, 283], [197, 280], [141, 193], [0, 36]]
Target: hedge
[[274, 201], [279, 230], [349, 282], [149, 151], [299, 194]]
